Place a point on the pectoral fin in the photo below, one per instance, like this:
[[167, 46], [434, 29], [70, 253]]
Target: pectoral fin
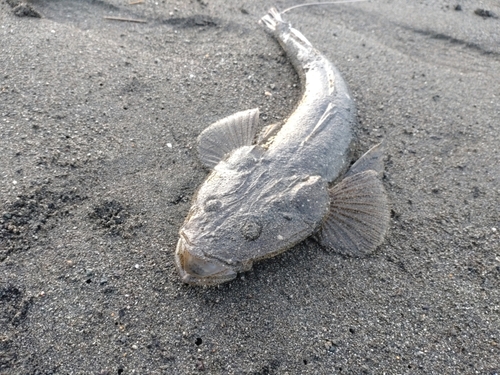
[[226, 135], [358, 217]]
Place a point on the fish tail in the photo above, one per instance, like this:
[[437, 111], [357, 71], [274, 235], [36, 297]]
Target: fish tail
[[272, 19], [281, 28]]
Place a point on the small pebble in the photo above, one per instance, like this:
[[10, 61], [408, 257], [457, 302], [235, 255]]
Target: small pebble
[[485, 13]]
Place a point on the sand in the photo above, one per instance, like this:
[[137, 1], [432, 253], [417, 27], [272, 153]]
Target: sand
[[98, 127]]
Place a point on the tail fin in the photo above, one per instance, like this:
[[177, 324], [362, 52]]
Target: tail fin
[[272, 19]]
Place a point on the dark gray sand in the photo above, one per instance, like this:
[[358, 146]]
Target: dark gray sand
[[98, 122]]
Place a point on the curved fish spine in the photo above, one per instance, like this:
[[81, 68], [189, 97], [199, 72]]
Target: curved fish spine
[[318, 134]]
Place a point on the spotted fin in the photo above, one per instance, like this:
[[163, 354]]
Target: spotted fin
[[226, 135], [358, 216]]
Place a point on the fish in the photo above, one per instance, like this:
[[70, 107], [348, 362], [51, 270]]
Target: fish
[[271, 189]]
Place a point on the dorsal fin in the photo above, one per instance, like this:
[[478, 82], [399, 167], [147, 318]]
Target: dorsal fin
[[226, 135], [268, 132], [372, 160]]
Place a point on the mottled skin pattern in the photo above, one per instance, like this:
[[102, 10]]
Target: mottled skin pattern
[[260, 201]]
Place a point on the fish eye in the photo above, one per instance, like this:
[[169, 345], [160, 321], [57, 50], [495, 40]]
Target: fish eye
[[251, 229], [212, 204]]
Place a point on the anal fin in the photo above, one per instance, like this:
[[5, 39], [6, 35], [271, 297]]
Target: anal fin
[[358, 217], [226, 135]]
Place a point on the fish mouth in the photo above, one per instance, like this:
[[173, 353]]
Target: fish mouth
[[200, 271]]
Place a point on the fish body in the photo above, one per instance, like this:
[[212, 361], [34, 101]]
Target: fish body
[[261, 198]]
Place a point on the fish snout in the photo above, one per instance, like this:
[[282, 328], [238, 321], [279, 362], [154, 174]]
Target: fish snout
[[200, 270]]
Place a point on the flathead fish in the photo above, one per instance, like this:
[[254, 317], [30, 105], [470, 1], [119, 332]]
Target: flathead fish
[[269, 190]]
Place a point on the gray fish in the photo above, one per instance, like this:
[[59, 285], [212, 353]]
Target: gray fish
[[267, 192]]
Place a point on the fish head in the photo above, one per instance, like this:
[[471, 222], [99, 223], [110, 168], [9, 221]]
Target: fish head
[[244, 212]]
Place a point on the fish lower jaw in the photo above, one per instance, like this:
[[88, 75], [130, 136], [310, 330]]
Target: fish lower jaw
[[201, 271], [216, 279], [206, 281]]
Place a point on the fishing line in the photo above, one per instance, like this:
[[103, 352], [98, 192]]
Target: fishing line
[[322, 3]]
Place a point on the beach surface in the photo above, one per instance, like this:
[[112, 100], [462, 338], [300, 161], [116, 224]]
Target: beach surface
[[100, 105]]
